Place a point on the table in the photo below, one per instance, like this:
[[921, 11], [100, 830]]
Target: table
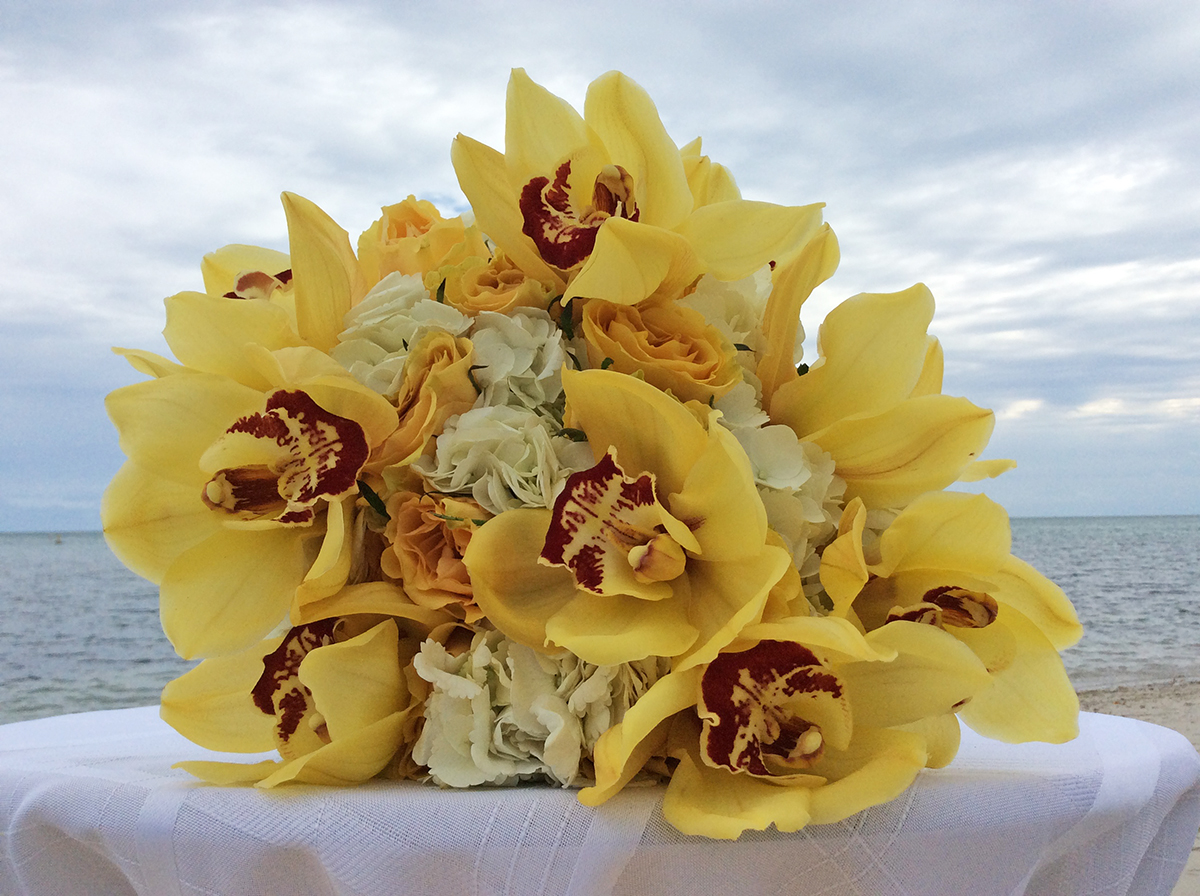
[[90, 804]]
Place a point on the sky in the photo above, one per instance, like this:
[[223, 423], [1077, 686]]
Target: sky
[[1037, 165]]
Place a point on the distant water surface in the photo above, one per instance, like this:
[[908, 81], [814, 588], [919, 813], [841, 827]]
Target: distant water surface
[[78, 631]]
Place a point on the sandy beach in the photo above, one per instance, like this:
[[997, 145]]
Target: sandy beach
[[1172, 705]]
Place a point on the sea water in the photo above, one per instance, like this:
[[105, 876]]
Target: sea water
[[78, 631]]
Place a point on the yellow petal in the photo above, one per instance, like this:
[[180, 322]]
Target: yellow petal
[[843, 565], [211, 705], [631, 262], [931, 674], [483, 178], [516, 593], [986, 469], [210, 334], [378, 598], [148, 362], [650, 430], [719, 500], [1030, 698], [612, 629], [1039, 600], [220, 269], [622, 750], [166, 424], [947, 530], [348, 760], [734, 239], [710, 802], [708, 181], [358, 682], [872, 351], [542, 130], [930, 381], [331, 568], [918, 446], [942, 735], [149, 520], [231, 589], [794, 282], [833, 638], [879, 766], [325, 274], [624, 117], [728, 596], [228, 774]]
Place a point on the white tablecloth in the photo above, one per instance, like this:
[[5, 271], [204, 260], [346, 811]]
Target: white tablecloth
[[89, 804]]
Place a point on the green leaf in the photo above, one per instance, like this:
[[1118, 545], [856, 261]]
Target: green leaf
[[575, 435], [373, 500]]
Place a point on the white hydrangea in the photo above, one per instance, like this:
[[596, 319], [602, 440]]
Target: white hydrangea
[[504, 457], [394, 315], [518, 360], [501, 713]]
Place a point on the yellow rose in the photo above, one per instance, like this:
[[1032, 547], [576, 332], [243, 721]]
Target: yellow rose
[[436, 386], [428, 537], [674, 347], [497, 285], [412, 237]]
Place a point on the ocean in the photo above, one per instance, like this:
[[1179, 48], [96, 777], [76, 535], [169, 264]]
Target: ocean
[[79, 632]]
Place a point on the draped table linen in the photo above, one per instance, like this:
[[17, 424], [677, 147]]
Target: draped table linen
[[89, 803]]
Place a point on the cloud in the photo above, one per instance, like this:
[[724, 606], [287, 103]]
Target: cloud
[[1037, 166]]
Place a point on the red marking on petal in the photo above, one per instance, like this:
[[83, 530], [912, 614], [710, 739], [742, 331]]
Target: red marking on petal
[[744, 697], [563, 239], [278, 691]]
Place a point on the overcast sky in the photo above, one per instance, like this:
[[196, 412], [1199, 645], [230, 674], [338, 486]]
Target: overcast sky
[[1036, 164]]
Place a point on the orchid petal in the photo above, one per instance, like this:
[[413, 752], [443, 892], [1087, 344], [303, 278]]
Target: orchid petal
[[149, 521], [220, 269], [650, 430], [625, 118], [370, 598], [326, 276], [873, 348], [986, 469], [631, 262], [611, 629], [166, 424], [331, 568], [931, 674], [483, 177], [920, 445], [734, 239], [879, 765], [358, 682], [1039, 600], [949, 531], [930, 381], [348, 760], [514, 591], [149, 363], [728, 596], [710, 802], [228, 774], [708, 181], [794, 282], [230, 590], [210, 334], [623, 749], [212, 705], [843, 565], [1030, 697], [942, 735]]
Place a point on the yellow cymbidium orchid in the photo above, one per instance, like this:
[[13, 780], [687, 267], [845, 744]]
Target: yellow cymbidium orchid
[[335, 697], [605, 205], [660, 549], [799, 721], [872, 399], [238, 500], [945, 562]]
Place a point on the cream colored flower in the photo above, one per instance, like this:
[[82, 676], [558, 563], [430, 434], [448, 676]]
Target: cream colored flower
[[412, 237]]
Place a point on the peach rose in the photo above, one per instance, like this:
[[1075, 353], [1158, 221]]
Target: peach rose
[[412, 237], [428, 536], [436, 385], [673, 346], [497, 285]]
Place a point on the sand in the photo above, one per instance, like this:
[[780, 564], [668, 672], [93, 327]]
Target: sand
[[1173, 705]]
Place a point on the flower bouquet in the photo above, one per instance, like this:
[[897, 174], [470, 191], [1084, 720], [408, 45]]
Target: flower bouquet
[[545, 494]]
